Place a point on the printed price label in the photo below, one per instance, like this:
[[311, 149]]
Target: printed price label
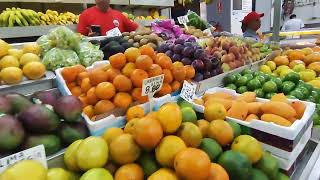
[[183, 20], [35, 153], [114, 32], [188, 91], [152, 85]]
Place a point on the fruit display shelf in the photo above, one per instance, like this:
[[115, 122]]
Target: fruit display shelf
[[115, 2], [145, 23], [157, 3]]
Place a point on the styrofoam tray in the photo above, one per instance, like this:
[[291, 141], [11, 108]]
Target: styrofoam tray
[[98, 127], [268, 127]]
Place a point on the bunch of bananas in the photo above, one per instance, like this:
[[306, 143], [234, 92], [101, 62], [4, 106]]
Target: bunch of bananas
[[185, 2], [54, 18], [18, 17]]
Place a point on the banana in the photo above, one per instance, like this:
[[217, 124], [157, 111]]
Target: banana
[[5, 18], [11, 19], [22, 19]]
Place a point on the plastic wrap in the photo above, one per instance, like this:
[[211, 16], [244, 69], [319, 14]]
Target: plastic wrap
[[45, 44], [196, 21], [57, 58], [89, 53], [64, 38]]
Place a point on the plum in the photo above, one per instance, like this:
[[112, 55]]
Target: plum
[[186, 61], [215, 62], [163, 48], [199, 54], [169, 53], [176, 57], [198, 65], [214, 72], [188, 52], [179, 41], [206, 75], [198, 77], [170, 46], [188, 44], [208, 65], [178, 48]]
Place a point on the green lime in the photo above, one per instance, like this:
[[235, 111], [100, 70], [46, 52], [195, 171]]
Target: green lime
[[270, 87], [287, 87], [183, 103], [249, 76], [304, 91], [231, 86], [318, 108], [237, 75], [278, 81], [292, 76], [316, 119], [148, 163], [269, 165], [253, 84], [211, 147], [257, 73], [311, 99], [315, 94], [309, 87], [257, 174], [282, 176], [291, 97], [189, 115], [259, 92], [269, 95], [231, 78], [296, 93], [242, 81], [246, 71], [236, 128], [267, 77], [261, 78], [242, 89]]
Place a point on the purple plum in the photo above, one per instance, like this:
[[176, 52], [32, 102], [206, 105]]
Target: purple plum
[[178, 48], [206, 75], [170, 46], [188, 52], [188, 44], [169, 53], [163, 48], [198, 77], [198, 65], [179, 41], [186, 61], [176, 57], [199, 54], [208, 65]]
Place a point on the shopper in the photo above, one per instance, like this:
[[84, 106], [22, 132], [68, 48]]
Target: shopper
[[293, 24], [105, 18], [250, 24]]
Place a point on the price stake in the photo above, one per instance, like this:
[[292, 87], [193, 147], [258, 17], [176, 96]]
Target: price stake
[[35, 153], [114, 32], [183, 20], [188, 91], [150, 86]]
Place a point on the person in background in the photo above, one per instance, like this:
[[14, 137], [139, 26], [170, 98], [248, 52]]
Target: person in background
[[250, 25], [103, 16], [293, 24]]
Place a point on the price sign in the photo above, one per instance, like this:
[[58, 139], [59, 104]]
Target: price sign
[[35, 153], [152, 85], [207, 31], [183, 20], [188, 91], [114, 32]]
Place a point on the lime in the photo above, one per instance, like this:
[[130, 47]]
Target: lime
[[287, 87], [249, 146], [290, 97], [278, 81], [231, 86], [246, 71], [304, 91], [269, 95], [183, 103], [245, 130], [257, 73], [242, 89], [292, 76], [248, 76], [309, 87], [257, 174], [148, 163], [259, 92], [296, 93], [315, 94], [242, 81], [261, 78], [237, 75], [269, 165], [270, 87], [316, 119], [282, 176], [253, 84], [236, 128], [311, 99], [265, 69], [231, 78], [267, 77], [211, 147], [188, 115]]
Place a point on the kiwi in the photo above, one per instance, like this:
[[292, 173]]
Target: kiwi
[[137, 38], [131, 41], [125, 34], [132, 34], [152, 45], [126, 38], [136, 44], [143, 41]]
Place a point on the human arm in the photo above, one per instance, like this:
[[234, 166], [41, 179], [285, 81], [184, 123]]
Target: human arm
[[83, 25], [129, 25]]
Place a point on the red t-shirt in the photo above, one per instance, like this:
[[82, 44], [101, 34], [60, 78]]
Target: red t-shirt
[[107, 21]]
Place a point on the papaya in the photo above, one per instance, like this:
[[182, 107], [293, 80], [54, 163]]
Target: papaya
[[292, 119], [300, 107], [254, 108], [280, 97], [238, 110], [278, 108], [247, 97], [221, 95], [314, 66], [251, 117], [314, 57], [225, 102], [276, 119]]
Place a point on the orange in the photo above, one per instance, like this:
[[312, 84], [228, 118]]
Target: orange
[[105, 90], [91, 96], [203, 125], [83, 98], [158, 57], [118, 60], [129, 172], [76, 91], [175, 86], [154, 70], [165, 62], [148, 133], [168, 78], [179, 73], [147, 50], [166, 89], [69, 74], [220, 131], [132, 54], [137, 77], [112, 73], [190, 72], [81, 76], [71, 85], [128, 69], [217, 172], [281, 60], [111, 133], [136, 94], [135, 112], [144, 62], [192, 163], [122, 100], [103, 106], [85, 85], [97, 76], [89, 111], [122, 83]]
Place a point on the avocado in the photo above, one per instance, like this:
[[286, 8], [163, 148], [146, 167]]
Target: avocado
[[39, 119], [18, 102], [126, 45], [269, 165], [68, 108], [70, 132], [52, 143], [116, 49], [11, 133], [121, 41]]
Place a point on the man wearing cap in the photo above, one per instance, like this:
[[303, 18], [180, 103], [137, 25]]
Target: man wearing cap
[[250, 24]]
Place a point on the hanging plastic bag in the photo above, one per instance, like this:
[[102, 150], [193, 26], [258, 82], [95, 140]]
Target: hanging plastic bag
[[58, 58]]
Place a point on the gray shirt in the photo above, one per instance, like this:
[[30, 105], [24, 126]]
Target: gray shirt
[[251, 35]]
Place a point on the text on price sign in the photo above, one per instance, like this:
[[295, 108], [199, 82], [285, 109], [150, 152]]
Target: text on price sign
[[152, 85], [188, 91]]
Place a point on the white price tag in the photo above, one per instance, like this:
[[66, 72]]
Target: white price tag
[[152, 85], [207, 31], [183, 20], [35, 153], [114, 32], [188, 91]]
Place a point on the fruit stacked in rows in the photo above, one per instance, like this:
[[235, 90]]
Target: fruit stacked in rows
[[18, 17], [54, 18], [191, 54], [154, 14], [142, 37], [266, 85], [246, 107], [306, 62], [114, 45], [53, 121], [195, 32], [14, 63], [203, 149], [119, 84]]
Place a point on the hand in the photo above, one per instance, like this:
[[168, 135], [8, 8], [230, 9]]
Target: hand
[[90, 33]]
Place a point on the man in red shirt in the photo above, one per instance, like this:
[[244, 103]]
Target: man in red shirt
[[105, 17]]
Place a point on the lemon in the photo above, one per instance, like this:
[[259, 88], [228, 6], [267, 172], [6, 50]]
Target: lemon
[[27, 169], [165, 153], [9, 61], [29, 57], [307, 75], [31, 48], [70, 156], [163, 173], [170, 117], [112, 133], [4, 48], [315, 83], [190, 134], [271, 64], [11, 75], [34, 70], [15, 52], [58, 173], [92, 153], [178, 64], [265, 69], [214, 111], [97, 174], [299, 67], [285, 72], [248, 146]]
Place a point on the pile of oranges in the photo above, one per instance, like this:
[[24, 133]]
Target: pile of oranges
[[119, 84]]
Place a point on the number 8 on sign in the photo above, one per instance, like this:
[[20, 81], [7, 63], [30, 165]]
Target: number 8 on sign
[[152, 85]]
